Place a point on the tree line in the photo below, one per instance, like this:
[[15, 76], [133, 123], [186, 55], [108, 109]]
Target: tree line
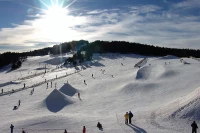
[[86, 48]]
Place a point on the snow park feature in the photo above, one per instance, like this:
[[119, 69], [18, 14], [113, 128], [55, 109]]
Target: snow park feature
[[163, 95]]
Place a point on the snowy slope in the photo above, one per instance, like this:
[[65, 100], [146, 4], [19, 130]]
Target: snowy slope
[[163, 95]]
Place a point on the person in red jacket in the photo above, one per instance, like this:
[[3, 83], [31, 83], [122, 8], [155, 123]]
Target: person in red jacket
[[84, 129]]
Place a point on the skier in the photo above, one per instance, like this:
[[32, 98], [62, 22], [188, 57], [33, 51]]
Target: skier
[[11, 128], [24, 85], [126, 117], [84, 82], [99, 125], [2, 91], [65, 131], [194, 127], [92, 76], [79, 95], [23, 131], [19, 102], [51, 84], [84, 129], [130, 116]]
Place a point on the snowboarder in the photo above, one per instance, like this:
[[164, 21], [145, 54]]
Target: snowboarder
[[19, 102], [65, 131], [194, 127], [126, 117], [130, 117], [84, 129], [99, 125], [11, 128]]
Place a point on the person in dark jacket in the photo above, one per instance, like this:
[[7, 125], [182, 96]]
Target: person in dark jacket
[[194, 127], [130, 116], [11, 128], [99, 125]]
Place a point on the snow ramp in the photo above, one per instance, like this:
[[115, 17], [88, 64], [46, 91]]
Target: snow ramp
[[56, 101], [67, 89], [150, 72]]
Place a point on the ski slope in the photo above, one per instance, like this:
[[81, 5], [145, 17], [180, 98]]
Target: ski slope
[[163, 94]]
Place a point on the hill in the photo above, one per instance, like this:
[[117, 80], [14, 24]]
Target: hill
[[163, 94]]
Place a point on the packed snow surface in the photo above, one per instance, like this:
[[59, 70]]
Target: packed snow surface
[[162, 93]]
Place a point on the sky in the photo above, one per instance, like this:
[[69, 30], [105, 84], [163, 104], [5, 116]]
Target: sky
[[33, 24]]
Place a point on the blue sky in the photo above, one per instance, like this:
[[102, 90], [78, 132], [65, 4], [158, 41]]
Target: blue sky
[[32, 24]]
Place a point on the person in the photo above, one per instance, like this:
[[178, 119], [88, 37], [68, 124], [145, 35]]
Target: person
[[65, 131], [126, 117], [92, 76], [19, 102], [23, 131], [84, 129], [11, 128], [130, 116], [24, 85], [194, 127], [84, 82], [51, 84], [99, 125], [2, 91], [15, 108], [79, 95]]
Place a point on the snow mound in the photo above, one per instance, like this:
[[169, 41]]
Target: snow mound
[[189, 107], [150, 72], [139, 89], [56, 101], [169, 57], [67, 89], [169, 73]]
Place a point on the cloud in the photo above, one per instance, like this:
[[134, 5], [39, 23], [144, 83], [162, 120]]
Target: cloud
[[148, 24], [188, 4]]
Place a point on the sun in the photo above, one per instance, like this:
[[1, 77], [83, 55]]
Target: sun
[[56, 13]]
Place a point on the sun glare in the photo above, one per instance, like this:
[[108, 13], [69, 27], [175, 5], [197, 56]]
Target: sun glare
[[56, 12]]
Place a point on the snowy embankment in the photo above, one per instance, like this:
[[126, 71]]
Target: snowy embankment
[[163, 95]]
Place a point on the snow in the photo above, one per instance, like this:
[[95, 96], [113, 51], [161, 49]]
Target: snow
[[163, 94]]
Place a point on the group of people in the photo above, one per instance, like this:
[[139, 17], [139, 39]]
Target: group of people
[[128, 117]]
